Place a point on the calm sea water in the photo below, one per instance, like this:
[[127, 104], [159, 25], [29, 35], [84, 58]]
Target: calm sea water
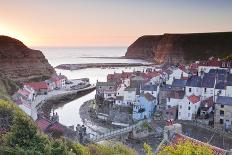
[[69, 113]]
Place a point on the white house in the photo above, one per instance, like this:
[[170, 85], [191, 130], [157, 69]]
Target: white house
[[229, 85], [193, 86], [174, 98], [120, 89], [130, 95], [220, 90], [208, 85], [152, 89], [177, 73], [188, 108], [31, 92]]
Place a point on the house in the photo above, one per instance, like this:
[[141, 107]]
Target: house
[[130, 96], [173, 135], [26, 95], [206, 108], [120, 101], [152, 89], [179, 84], [41, 88], [144, 107], [174, 98], [205, 66], [59, 80], [177, 73], [188, 107], [208, 85], [51, 85], [170, 113], [155, 77], [220, 90], [106, 90], [120, 89], [223, 112], [229, 85], [193, 85]]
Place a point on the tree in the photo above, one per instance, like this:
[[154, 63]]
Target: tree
[[186, 147]]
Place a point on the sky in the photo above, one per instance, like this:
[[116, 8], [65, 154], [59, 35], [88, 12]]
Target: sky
[[108, 22]]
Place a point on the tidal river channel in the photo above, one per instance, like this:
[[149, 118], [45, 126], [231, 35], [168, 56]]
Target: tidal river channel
[[69, 112]]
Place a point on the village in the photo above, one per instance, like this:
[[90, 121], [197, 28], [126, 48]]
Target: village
[[200, 92], [146, 103]]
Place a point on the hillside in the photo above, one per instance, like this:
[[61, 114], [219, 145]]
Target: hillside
[[19, 63], [183, 48]]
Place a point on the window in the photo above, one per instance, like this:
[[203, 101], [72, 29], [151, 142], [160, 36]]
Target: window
[[190, 89], [118, 93], [205, 90], [188, 114], [222, 106], [169, 99], [189, 103], [189, 108], [180, 106], [221, 121], [179, 113], [221, 113], [109, 94]]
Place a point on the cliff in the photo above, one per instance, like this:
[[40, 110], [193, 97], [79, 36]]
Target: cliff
[[19, 63], [182, 48]]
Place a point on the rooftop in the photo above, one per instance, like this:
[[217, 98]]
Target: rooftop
[[179, 83], [194, 81], [149, 87], [208, 80], [224, 100], [106, 84], [37, 85], [148, 96], [177, 94], [194, 99]]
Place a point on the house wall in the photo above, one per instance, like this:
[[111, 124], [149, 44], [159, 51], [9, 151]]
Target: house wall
[[171, 102], [32, 95], [229, 91], [227, 117], [207, 92], [149, 107], [130, 96], [216, 93], [183, 109], [205, 69], [194, 91], [177, 73]]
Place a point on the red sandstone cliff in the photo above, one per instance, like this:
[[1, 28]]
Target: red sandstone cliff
[[181, 47], [18, 62]]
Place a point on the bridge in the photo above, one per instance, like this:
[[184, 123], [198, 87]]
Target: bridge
[[114, 133]]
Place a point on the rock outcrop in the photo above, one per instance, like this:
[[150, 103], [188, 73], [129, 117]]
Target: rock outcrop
[[20, 63], [182, 48]]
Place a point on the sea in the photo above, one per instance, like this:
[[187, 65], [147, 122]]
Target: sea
[[69, 112]]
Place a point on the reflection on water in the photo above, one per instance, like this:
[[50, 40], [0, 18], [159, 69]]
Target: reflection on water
[[69, 113]]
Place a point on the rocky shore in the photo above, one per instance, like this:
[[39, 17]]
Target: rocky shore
[[98, 65]]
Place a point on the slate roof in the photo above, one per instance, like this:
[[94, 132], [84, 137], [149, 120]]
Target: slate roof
[[229, 80], [208, 80], [119, 98], [149, 97], [224, 100], [179, 83], [149, 88], [194, 81], [177, 94], [130, 89], [42, 123], [106, 84], [217, 71], [220, 85]]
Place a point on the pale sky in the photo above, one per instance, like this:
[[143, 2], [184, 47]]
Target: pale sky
[[108, 22]]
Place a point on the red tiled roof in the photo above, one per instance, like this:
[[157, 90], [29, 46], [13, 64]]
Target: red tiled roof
[[194, 99], [37, 85], [179, 137], [42, 123], [23, 92], [152, 74], [56, 126]]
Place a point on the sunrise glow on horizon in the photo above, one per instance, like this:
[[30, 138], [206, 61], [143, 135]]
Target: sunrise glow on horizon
[[108, 22]]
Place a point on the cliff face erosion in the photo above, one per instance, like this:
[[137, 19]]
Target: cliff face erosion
[[183, 48], [20, 63]]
